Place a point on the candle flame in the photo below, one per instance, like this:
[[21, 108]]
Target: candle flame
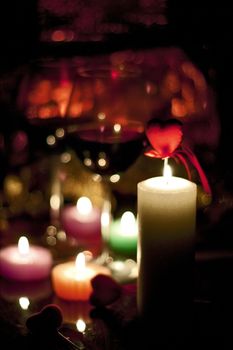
[[81, 325], [167, 171], [23, 246], [84, 206], [128, 223], [80, 264]]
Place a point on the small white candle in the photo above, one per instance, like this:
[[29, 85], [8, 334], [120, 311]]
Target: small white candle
[[166, 220]]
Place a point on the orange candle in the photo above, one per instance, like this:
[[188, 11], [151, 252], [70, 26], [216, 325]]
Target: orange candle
[[72, 280]]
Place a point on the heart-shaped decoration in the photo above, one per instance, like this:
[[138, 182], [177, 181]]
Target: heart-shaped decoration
[[164, 136], [47, 320]]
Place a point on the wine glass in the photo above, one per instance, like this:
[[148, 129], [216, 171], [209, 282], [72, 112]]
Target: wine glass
[[107, 148], [110, 97], [42, 99]]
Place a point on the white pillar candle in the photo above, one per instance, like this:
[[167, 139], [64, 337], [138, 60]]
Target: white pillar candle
[[166, 220]]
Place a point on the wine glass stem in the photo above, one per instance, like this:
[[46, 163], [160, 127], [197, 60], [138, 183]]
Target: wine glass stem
[[106, 217]]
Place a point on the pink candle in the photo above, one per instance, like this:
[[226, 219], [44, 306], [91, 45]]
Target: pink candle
[[24, 262], [81, 221]]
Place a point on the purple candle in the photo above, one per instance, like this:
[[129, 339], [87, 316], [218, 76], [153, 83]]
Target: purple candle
[[24, 262], [81, 221]]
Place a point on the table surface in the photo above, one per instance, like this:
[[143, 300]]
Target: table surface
[[213, 310], [116, 326]]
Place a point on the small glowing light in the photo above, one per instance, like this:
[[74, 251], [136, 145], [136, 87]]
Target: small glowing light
[[101, 116], [114, 74], [167, 171], [50, 140], [87, 161], [51, 230], [65, 157], [51, 240], [58, 35], [84, 206], [55, 202], [102, 162], [81, 325], [117, 128], [23, 246], [61, 235], [60, 132], [24, 303], [97, 178], [128, 224], [13, 185], [115, 178]]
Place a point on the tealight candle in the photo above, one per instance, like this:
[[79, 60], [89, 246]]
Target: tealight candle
[[25, 262], [166, 220], [81, 221], [72, 280], [123, 235]]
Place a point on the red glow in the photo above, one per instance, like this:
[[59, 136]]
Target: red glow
[[58, 35], [114, 74]]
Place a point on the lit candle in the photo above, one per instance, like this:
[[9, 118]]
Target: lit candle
[[72, 280], [123, 235], [25, 262], [81, 221], [166, 221]]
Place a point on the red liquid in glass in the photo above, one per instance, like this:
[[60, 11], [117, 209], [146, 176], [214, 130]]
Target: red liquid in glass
[[107, 151]]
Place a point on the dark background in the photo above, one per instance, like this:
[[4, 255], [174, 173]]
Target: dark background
[[201, 28]]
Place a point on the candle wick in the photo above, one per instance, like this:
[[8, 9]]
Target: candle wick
[[167, 171]]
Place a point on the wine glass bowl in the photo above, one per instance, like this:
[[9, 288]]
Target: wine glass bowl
[[107, 147]]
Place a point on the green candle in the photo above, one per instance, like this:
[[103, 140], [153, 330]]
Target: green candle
[[123, 235]]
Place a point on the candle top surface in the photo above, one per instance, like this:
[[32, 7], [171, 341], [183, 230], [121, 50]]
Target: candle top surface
[[161, 184], [12, 253]]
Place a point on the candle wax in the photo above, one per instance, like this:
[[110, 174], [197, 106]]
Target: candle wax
[[122, 242], [68, 284], [81, 227], [35, 265], [166, 220]]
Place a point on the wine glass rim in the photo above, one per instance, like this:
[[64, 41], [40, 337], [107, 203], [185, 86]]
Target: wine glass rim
[[138, 124], [101, 70]]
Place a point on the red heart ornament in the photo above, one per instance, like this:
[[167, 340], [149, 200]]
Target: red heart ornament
[[164, 136]]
